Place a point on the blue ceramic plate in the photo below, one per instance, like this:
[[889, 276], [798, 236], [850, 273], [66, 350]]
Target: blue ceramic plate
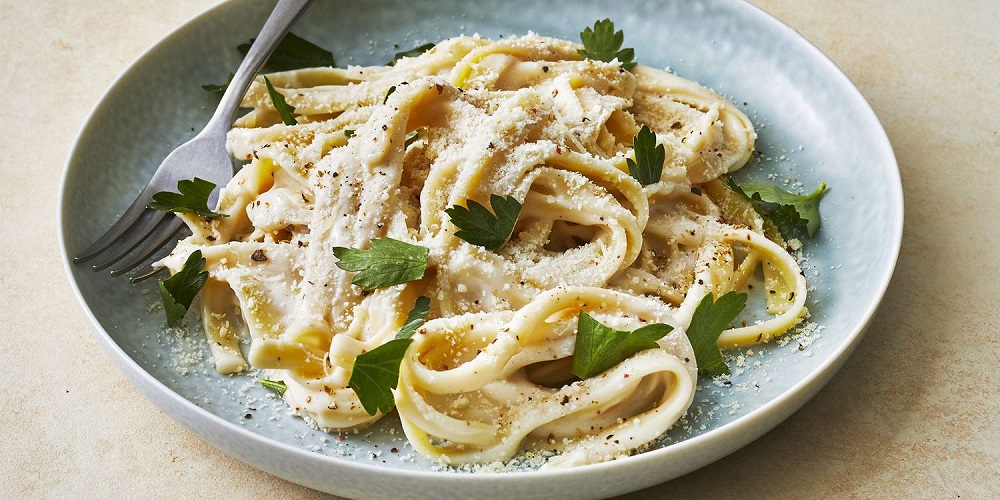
[[813, 125]]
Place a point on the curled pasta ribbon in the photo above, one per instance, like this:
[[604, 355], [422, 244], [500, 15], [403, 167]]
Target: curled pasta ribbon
[[654, 386], [764, 249], [704, 131], [717, 273], [326, 401]]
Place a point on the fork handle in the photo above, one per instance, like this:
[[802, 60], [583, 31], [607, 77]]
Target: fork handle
[[284, 14]]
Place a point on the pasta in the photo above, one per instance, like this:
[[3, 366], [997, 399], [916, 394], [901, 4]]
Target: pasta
[[487, 374]]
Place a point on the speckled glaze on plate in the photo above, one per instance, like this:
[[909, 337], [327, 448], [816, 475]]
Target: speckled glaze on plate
[[813, 126]]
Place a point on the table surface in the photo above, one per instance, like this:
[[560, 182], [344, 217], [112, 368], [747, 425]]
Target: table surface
[[911, 414]]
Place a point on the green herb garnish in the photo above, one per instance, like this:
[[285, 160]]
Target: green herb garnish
[[388, 262], [293, 52], [421, 308], [389, 93], [414, 52], [410, 137], [648, 164], [191, 199], [276, 386], [602, 43], [598, 347], [283, 108], [478, 226], [218, 89], [790, 212], [179, 290], [709, 320], [376, 372]]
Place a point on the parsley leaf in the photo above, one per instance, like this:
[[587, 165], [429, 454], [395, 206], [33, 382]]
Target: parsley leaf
[[709, 320], [389, 93], [293, 52], [602, 43], [218, 88], [415, 318], [376, 373], [388, 262], [648, 164], [599, 348], [412, 136], [192, 199], [179, 290], [791, 212], [278, 100], [478, 226], [414, 52], [276, 386]]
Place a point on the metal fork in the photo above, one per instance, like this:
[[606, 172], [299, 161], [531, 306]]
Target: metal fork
[[140, 232]]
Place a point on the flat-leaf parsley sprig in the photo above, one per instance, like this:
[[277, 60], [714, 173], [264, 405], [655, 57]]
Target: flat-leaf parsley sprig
[[710, 319], [603, 43], [599, 348], [649, 156], [388, 262], [179, 290], [218, 88], [789, 211], [376, 372], [414, 52], [285, 110], [416, 317], [276, 386], [478, 226], [293, 52], [192, 198]]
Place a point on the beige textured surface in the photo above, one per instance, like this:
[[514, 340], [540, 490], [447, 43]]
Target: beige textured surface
[[914, 413]]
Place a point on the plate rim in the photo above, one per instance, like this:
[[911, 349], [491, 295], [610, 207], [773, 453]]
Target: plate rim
[[787, 402]]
